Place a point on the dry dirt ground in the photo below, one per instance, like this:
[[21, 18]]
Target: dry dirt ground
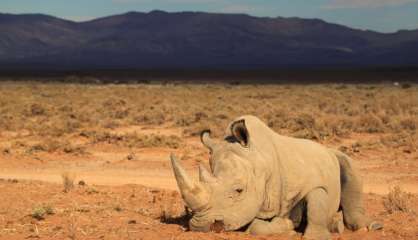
[[112, 142]]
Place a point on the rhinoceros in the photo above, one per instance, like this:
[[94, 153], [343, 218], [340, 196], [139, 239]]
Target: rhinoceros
[[272, 184]]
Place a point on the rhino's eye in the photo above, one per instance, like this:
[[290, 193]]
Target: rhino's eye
[[237, 191]]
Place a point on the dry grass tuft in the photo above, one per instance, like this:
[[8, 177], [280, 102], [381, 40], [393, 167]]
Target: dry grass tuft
[[72, 227], [40, 212], [68, 179], [397, 201]]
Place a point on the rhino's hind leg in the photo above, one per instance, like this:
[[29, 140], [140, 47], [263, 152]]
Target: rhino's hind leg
[[275, 226], [318, 214], [354, 213]]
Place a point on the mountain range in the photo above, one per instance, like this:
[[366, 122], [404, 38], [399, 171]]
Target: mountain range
[[160, 39]]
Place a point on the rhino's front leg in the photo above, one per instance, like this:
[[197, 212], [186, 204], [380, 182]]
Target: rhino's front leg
[[318, 212], [275, 226], [337, 223]]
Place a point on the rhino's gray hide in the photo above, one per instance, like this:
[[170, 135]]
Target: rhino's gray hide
[[269, 182]]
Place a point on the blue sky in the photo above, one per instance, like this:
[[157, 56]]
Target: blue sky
[[379, 15]]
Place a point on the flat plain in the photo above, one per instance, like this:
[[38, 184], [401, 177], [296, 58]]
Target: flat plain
[[91, 161]]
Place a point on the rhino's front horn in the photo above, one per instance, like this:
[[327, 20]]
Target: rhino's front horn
[[194, 193]]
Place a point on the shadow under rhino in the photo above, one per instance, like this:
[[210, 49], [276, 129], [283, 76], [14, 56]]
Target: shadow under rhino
[[265, 183]]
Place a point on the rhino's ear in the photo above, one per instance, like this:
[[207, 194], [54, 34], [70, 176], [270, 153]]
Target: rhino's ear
[[240, 132]]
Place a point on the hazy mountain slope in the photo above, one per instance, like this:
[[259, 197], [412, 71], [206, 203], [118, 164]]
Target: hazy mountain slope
[[194, 39]]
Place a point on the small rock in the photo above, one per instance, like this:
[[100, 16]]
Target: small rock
[[132, 222], [13, 180], [407, 151], [131, 157]]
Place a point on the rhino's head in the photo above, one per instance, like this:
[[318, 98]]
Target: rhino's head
[[232, 193]]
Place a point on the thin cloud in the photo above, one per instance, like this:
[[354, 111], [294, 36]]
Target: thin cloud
[[79, 18], [130, 1], [166, 1], [236, 9], [335, 4], [241, 8]]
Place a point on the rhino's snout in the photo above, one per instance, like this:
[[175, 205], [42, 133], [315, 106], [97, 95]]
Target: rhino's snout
[[214, 225]]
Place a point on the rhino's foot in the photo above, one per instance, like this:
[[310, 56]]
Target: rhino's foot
[[317, 233], [276, 226], [337, 224], [358, 221]]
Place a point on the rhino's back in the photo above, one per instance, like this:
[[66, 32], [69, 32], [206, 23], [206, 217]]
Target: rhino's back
[[306, 165]]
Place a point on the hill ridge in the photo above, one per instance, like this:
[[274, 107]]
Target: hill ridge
[[159, 39]]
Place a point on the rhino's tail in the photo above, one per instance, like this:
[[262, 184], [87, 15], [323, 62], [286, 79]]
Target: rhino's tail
[[352, 196]]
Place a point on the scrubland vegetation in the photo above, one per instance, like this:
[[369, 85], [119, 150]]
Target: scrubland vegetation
[[46, 117], [398, 200]]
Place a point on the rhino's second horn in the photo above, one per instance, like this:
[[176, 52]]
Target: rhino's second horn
[[207, 140], [205, 176]]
